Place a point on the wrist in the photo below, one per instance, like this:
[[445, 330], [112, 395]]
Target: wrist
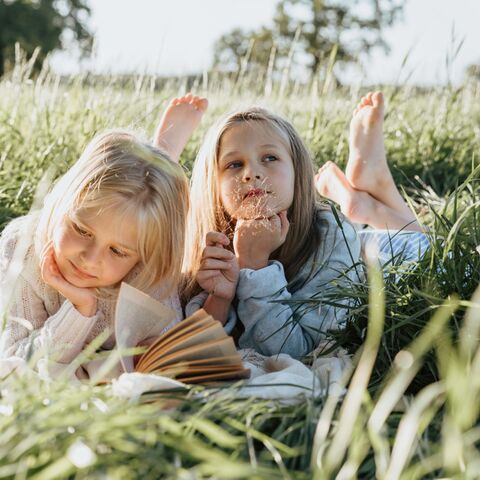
[[253, 263], [87, 310], [221, 299], [217, 307]]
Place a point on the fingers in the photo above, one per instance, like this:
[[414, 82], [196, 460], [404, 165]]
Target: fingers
[[47, 263], [50, 272], [205, 275], [214, 264], [214, 238], [273, 224], [219, 253]]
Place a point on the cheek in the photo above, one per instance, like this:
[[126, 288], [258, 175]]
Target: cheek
[[292, 187], [62, 242], [228, 189], [117, 270], [290, 175]]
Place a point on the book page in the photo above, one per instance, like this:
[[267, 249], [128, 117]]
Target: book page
[[137, 317], [214, 348], [240, 374], [213, 331], [199, 318], [215, 361], [182, 330], [183, 369]]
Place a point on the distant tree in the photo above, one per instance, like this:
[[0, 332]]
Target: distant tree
[[472, 72], [232, 48], [49, 24], [349, 26]]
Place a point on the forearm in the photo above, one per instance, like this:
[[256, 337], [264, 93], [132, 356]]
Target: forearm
[[217, 307], [61, 336]]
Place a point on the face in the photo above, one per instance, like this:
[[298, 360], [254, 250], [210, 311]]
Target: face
[[96, 250], [255, 171]]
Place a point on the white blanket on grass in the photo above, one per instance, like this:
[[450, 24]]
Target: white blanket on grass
[[278, 377]]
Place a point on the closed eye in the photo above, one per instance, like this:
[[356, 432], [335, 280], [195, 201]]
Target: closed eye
[[118, 253], [80, 231]]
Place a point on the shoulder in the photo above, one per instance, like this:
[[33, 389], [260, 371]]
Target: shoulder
[[18, 230], [18, 259], [338, 249]]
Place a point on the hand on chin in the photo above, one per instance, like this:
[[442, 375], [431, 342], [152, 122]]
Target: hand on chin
[[255, 212]]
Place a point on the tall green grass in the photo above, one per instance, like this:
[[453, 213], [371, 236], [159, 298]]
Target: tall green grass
[[412, 408]]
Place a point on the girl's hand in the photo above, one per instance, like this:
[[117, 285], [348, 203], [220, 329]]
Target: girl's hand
[[255, 240], [219, 270], [83, 299]]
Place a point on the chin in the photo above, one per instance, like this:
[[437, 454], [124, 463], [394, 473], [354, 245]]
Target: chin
[[253, 211], [76, 282]]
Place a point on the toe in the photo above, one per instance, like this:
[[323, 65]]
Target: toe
[[377, 99], [202, 104], [324, 167]]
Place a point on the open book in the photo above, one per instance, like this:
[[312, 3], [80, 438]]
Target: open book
[[194, 350]]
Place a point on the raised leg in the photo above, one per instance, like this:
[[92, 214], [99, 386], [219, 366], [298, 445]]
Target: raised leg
[[178, 122], [367, 169], [359, 206]]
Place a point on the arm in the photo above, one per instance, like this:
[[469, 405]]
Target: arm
[[273, 328], [198, 301], [218, 275], [28, 326], [61, 335]]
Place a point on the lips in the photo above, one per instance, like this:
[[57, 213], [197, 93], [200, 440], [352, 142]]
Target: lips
[[81, 273], [255, 192]]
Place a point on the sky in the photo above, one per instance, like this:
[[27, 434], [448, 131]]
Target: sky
[[177, 36]]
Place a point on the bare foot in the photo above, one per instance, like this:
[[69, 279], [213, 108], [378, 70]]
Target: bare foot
[[331, 183], [358, 206], [367, 167], [178, 122]]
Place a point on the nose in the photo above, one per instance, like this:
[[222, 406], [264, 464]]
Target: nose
[[251, 172], [91, 257]]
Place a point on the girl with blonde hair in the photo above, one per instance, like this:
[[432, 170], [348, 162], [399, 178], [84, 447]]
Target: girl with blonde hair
[[259, 243], [118, 214]]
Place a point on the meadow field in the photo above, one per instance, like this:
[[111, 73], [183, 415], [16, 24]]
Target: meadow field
[[412, 407]]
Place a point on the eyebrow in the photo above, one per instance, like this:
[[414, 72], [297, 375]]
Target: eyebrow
[[236, 152]]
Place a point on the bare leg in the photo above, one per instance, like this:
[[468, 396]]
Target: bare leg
[[178, 122], [367, 167], [359, 206]]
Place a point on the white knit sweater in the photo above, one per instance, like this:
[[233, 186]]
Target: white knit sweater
[[57, 328]]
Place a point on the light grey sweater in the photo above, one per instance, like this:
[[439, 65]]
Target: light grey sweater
[[271, 327], [39, 319]]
